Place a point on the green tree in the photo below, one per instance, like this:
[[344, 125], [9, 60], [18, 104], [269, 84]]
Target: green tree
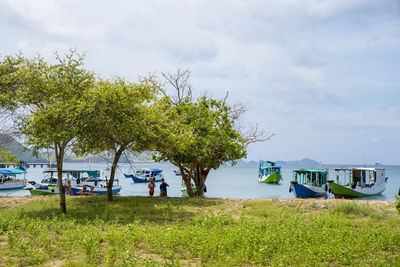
[[49, 100], [119, 113], [198, 135]]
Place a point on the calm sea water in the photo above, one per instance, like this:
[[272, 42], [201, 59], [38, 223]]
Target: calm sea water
[[226, 182]]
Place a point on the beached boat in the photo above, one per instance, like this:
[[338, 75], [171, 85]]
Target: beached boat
[[268, 172], [144, 175], [309, 183], [49, 185], [9, 181], [358, 182], [99, 187]]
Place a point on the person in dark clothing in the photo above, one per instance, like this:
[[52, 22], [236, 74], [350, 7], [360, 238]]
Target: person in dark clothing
[[163, 188]]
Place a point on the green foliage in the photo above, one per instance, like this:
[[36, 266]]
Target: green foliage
[[354, 210], [196, 231], [398, 203], [197, 136], [5, 154]]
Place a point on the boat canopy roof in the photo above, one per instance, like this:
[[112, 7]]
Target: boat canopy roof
[[358, 168], [76, 173], [267, 163], [12, 171], [309, 170]]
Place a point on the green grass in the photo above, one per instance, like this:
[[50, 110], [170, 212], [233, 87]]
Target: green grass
[[142, 231]]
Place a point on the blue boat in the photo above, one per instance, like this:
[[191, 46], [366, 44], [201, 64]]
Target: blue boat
[[144, 175], [309, 183], [9, 181], [99, 187]]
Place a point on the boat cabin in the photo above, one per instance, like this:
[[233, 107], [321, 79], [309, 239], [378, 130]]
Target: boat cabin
[[267, 168], [310, 176], [10, 174], [362, 177], [81, 175]]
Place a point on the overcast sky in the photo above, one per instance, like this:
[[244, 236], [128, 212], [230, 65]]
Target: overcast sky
[[324, 76]]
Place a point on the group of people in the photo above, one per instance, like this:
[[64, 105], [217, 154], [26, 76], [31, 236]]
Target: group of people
[[163, 187]]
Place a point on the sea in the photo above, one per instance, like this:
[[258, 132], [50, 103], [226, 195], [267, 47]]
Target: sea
[[226, 182]]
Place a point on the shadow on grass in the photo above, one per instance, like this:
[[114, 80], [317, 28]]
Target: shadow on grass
[[122, 210]]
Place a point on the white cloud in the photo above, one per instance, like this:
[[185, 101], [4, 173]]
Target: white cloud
[[311, 71]]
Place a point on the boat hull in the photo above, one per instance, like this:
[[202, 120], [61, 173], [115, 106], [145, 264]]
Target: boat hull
[[307, 191], [136, 179], [97, 190], [185, 193], [43, 192], [274, 178], [341, 191], [12, 185]]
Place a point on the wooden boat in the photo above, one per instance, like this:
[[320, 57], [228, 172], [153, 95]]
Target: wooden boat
[[144, 175], [9, 181], [358, 182], [309, 183], [269, 173], [49, 185], [99, 187]]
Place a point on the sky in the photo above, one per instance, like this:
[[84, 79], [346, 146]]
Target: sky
[[322, 75]]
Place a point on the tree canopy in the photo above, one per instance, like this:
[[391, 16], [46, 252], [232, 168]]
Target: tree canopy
[[49, 98], [118, 118]]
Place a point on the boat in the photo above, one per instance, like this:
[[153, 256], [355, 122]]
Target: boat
[[99, 187], [309, 183], [143, 175], [268, 172], [9, 181], [358, 182], [49, 185], [177, 173]]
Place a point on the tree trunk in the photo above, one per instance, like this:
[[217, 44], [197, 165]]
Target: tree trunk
[[59, 151], [201, 177], [186, 178], [110, 182]]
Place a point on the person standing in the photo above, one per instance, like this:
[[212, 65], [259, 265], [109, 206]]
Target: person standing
[[151, 185], [163, 188], [69, 187]]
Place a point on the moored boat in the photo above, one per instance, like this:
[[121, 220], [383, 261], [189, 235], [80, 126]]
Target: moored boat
[[309, 183], [49, 185], [144, 175], [9, 181], [358, 182], [269, 173], [95, 186]]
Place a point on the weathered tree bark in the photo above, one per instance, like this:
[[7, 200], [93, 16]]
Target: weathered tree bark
[[200, 179], [110, 182], [59, 151]]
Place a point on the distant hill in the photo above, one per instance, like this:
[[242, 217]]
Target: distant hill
[[18, 149], [304, 163]]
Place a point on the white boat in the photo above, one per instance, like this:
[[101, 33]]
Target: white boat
[[358, 182], [9, 181]]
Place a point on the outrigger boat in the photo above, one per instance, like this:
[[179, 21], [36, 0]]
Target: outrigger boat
[[268, 172], [49, 185], [144, 175], [9, 181], [99, 187], [358, 182], [309, 183]]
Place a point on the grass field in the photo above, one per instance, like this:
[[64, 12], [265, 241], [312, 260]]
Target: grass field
[[142, 231]]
